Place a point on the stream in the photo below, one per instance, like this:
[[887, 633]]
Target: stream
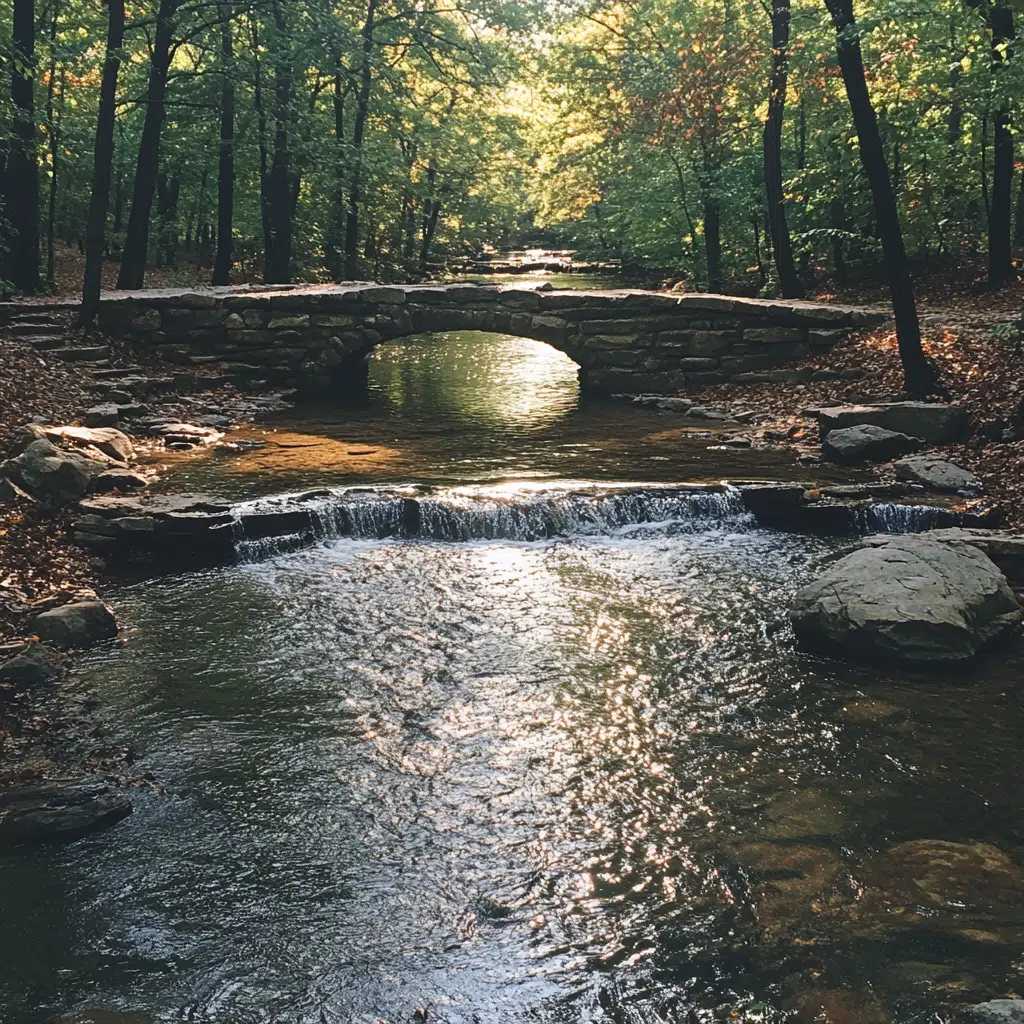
[[472, 777]]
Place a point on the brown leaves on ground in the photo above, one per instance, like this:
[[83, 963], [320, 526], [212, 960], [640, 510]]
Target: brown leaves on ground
[[38, 562], [32, 384], [983, 374]]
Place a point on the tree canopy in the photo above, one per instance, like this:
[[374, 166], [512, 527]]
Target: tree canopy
[[310, 139]]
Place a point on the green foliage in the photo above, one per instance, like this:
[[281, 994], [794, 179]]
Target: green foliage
[[614, 128]]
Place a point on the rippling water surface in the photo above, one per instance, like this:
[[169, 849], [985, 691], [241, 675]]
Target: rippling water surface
[[575, 779]]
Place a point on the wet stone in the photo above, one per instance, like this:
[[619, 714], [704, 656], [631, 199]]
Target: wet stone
[[33, 666], [54, 813]]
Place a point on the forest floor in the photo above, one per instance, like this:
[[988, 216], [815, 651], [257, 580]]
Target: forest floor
[[982, 373]]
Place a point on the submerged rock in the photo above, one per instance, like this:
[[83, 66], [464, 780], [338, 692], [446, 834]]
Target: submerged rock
[[32, 666], [937, 475], [78, 624], [56, 813], [787, 880], [866, 443], [911, 599], [840, 1006], [961, 891]]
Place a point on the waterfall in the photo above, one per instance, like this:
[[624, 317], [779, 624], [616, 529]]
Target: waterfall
[[894, 518], [483, 514]]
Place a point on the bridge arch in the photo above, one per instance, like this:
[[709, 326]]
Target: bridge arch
[[314, 337]]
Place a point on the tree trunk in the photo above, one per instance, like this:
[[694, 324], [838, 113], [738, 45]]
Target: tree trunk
[[433, 211], [22, 193], [358, 133], [782, 245], [102, 160], [261, 126], [281, 181], [168, 192], [919, 375], [226, 159], [713, 243], [53, 130], [1000, 255], [837, 219], [147, 167], [1018, 222]]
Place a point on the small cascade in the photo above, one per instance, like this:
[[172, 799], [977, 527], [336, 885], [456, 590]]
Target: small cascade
[[889, 517], [529, 515]]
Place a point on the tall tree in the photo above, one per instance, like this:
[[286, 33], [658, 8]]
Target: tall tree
[[782, 244], [226, 160], [358, 136], [147, 167], [103, 157], [22, 185], [1000, 226], [280, 188], [918, 373]]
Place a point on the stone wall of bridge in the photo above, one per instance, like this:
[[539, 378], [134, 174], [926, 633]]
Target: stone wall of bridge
[[316, 338]]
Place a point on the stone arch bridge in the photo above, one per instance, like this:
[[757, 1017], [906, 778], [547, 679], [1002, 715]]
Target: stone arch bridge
[[316, 337]]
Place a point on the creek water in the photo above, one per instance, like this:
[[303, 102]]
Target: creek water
[[586, 777]]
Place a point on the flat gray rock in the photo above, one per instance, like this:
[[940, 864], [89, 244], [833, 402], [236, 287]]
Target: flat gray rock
[[995, 1011], [866, 443], [937, 475], [911, 600], [117, 480], [78, 624], [929, 421], [103, 415]]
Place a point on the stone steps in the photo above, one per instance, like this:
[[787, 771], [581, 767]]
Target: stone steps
[[82, 354], [45, 342], [115, 371], [25, 330]]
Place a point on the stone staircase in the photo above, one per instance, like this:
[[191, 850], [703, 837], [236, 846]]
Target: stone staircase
[[47, 332]]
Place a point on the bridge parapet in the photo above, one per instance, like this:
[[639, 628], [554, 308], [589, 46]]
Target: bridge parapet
[[316, 337]]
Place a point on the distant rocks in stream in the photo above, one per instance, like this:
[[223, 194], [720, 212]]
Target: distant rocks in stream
[[909, 599]]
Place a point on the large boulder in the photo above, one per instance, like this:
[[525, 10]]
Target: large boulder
[[910, 599], [52, 475], [78, 624], [33, 665], [111, 442], [939, 424], [937, 475], [866, 443]]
